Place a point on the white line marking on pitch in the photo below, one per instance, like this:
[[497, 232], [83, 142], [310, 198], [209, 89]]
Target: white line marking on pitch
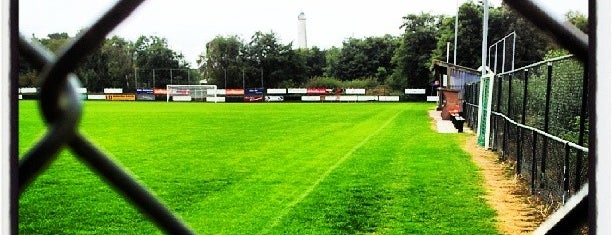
[[309, 190]]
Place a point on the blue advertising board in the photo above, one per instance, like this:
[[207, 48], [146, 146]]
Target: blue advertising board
[[254, 91], [144, 91]]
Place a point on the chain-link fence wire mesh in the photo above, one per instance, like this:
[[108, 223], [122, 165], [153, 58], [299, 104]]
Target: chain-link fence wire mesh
[[470, 106], [501, 54], [61, 107], [548, 97]]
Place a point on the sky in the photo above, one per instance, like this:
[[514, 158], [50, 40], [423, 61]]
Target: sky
[[189, 24]]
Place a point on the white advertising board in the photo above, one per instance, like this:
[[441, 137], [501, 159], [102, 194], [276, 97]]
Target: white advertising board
[[297, 90], [181, 98], [96, 97], [276, 91], [415, 91], [113, 90], [389, 98]]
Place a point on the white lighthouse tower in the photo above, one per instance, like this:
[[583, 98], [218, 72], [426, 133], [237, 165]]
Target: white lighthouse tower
[[301, 40]]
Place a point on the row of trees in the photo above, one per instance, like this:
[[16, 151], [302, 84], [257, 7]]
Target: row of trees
[[395, 62], [147, 62]]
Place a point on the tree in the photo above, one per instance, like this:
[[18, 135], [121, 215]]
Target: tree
[[110, 66], [579, 20], [271, 63], [223, 54], [361, 58], [412, 58], [314, 61], [157, 64], [332, 56]]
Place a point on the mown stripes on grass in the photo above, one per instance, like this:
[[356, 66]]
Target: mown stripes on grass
[[350, 153]]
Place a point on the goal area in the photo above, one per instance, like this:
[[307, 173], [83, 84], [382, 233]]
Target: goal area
[[191, 92]]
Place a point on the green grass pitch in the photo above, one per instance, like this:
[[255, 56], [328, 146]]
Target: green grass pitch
[[282, 168]]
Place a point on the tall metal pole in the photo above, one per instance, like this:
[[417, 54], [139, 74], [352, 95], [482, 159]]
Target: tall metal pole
[[447, 51], [485, 33], [456, 29]]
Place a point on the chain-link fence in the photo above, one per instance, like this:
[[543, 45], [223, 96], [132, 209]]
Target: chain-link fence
[[540, 122], [501, 54], [61, 107]]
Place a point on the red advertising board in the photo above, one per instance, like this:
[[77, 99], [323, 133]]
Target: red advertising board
[[234, 92], [315, 91], [159, 91], [253, 99]]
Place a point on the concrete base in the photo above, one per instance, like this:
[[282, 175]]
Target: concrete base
[[445, 126]]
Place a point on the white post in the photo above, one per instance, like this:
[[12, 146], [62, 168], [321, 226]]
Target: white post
[[5, 121], [603, 148], [486, 92], [485, 33], [447, 51]]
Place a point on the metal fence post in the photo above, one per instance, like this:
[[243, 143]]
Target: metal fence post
[[546, 117], [534, 166], [582, 128], [495, 124], [519, 143]]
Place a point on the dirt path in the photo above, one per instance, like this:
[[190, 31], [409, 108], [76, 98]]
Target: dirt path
[[517, 212]]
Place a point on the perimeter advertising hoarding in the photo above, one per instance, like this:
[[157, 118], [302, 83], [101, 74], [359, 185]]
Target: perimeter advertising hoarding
[[160, 91], [144, 91], [279, 91], [145, 96], [121, 97], [354, 91], [389, 98], [272, 98], [254, 91], [234, 92], [316, 91], [28, 90], [297, 90], [414, 91], [113, 90], [251, 99], [96, 97]]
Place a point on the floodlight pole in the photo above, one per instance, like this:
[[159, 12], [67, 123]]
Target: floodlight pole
[[456, 29], [447, 51], [485, 32]]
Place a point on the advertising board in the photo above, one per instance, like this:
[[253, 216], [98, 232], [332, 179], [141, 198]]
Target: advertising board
[[254, 91], [121, 97], [316, 91], [272, 98], [297, 90], [234, 92], [113, 90]]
